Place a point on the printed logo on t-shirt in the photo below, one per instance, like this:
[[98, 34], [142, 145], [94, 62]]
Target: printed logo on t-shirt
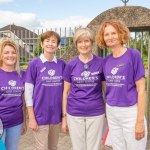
[[86, 79], [85, 73], [114, 70], [42, 69], [95, 73], [115, 78], [51, 78], [51, 72], [11, 89], [12, 83]]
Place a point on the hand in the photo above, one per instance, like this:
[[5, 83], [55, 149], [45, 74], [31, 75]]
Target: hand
[[64, 125], [139, 131], [24, 128], [33, 125]]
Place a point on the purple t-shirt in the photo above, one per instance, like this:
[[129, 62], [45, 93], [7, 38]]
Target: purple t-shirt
[[48, 87], [85, 97], [11, 90], [121, 74]]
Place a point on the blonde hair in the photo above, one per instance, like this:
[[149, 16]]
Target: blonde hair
[[122, 30], [82, 33], [8, 41]]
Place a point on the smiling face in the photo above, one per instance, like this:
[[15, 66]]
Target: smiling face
[[50, 45], [111, 36], [9, 56], [84, 45]]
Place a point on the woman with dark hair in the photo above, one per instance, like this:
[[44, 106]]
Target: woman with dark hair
[[43, 93]]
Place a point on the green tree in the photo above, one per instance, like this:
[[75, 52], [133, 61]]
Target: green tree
[[139, 41], [38, 49]]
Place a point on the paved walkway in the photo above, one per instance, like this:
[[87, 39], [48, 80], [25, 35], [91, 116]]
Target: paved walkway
[[27, 142]]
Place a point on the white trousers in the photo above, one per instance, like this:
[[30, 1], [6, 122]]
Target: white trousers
[[85, 132], [121, 122]]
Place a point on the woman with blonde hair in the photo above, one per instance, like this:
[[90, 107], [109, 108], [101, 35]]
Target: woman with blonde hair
[[83, 104], [125, 88], [12, 106]]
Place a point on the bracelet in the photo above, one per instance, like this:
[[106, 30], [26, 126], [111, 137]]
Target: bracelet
[[64, 115]]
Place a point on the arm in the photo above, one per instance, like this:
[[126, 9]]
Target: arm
[[24, 128], [104, 94], [64, 105], [32, 121], [139, 127], [29, 103]]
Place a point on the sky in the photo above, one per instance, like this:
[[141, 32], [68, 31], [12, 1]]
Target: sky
[[46, 14]]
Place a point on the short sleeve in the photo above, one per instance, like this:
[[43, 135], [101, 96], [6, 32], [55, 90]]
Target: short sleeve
[[67, 73], [64, 65], [23, 75], [138, 66], [31, 73]]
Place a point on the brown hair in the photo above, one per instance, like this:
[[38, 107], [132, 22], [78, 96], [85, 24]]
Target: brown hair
[[122, 30], [49, 34], [8, 41]]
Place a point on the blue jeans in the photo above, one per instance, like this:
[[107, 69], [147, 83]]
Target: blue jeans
[[11, 137], [2, 146]]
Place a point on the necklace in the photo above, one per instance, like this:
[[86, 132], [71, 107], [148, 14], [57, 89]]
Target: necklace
[[86, 66]]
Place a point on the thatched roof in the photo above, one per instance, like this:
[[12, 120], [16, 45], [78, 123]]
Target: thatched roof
[[136, 17]]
